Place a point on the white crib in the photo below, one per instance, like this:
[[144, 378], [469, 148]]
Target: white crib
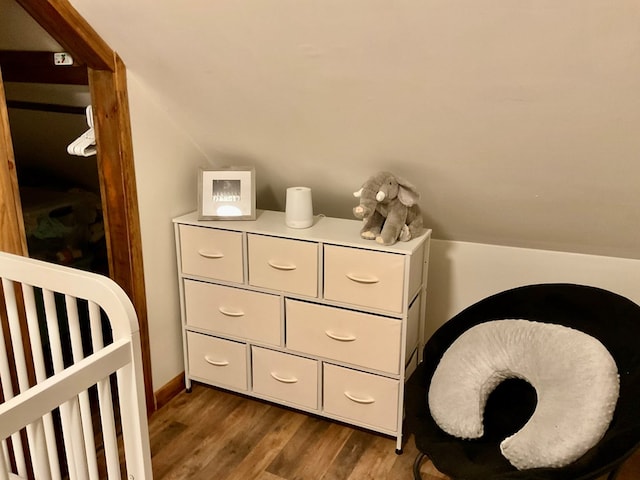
[[71, 387]]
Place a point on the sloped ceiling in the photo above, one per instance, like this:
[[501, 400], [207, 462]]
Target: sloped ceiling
[[518, 121], [18, 31]]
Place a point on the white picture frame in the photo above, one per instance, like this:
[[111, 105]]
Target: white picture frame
[[226, 193]]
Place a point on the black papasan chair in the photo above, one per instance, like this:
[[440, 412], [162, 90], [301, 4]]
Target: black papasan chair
[[612, 319]]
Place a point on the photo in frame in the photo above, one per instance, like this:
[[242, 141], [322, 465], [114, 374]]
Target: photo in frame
[[226, 193]]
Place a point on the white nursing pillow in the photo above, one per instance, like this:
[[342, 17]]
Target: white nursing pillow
[[574, 375]]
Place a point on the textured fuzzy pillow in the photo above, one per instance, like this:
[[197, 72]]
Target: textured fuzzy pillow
[[575, 378]]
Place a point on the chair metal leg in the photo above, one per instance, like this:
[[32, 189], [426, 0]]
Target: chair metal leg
[[416, 466]]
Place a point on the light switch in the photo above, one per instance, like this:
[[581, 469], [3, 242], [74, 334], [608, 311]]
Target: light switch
[[62, 58]]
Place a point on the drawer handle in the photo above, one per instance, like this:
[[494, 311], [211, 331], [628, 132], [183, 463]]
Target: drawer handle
[[217, 363], [280, 266], [283, 379], [359, 279], [363, 400], [210, 254], [340, 338], [231, 313]]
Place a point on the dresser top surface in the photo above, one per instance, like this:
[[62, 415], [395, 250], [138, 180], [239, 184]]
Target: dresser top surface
[[337, 231]]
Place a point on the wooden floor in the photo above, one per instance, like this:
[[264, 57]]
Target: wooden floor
[[210, 434]]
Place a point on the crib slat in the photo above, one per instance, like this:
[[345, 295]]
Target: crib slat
[[105, 400], [47, 444], [90, 461], [95, 323], [4, 470], [7, 389], [53, 329], [132, 407], [5, 378], [35, 431], [4, 458], [15, 334], [109, 435]]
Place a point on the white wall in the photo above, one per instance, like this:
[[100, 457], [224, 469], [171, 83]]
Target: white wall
[[462, 273], [165, 162], [19, 31], [517, 120]]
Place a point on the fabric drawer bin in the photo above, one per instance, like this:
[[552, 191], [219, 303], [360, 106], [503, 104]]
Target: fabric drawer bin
[[211, 253], [361, 397], [217, 361], [285, 377], [233, 311], [283, 264], [363, 277], [362, 339]]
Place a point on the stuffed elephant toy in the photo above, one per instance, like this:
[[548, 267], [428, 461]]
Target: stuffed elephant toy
[[389, 209]]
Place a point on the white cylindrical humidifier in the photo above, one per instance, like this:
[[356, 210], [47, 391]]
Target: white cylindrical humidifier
[[299, 207]]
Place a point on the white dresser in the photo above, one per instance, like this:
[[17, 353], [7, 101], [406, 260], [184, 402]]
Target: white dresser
[[317, 319]]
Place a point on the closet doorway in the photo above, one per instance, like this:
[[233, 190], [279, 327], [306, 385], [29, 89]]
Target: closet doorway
[[105, 76]]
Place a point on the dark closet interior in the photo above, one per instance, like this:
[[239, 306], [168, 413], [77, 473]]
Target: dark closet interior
[[59, 192]]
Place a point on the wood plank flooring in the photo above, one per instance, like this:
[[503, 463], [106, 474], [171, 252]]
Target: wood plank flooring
[[211, 434]]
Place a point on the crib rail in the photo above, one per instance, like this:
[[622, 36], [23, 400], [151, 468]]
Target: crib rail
[[70, 376]]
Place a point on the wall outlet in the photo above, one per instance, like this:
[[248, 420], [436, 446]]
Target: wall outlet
[[62, 58]]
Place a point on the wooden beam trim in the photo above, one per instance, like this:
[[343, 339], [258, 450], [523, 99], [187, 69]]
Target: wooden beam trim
[[118, 186], [12, 233]]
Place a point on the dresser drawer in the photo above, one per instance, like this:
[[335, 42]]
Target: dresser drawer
[[364, 277], [283, 264], [358, 338], [285, 377], [217, 361], [361, 397], [233, 311], [212, 253]]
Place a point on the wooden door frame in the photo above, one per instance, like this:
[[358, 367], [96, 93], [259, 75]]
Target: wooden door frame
[[108, 87]]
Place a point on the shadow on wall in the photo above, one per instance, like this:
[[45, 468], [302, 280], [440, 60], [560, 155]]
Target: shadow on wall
[[439, 286]]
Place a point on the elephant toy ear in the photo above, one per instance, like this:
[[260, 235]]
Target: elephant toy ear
[[407, 193]]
